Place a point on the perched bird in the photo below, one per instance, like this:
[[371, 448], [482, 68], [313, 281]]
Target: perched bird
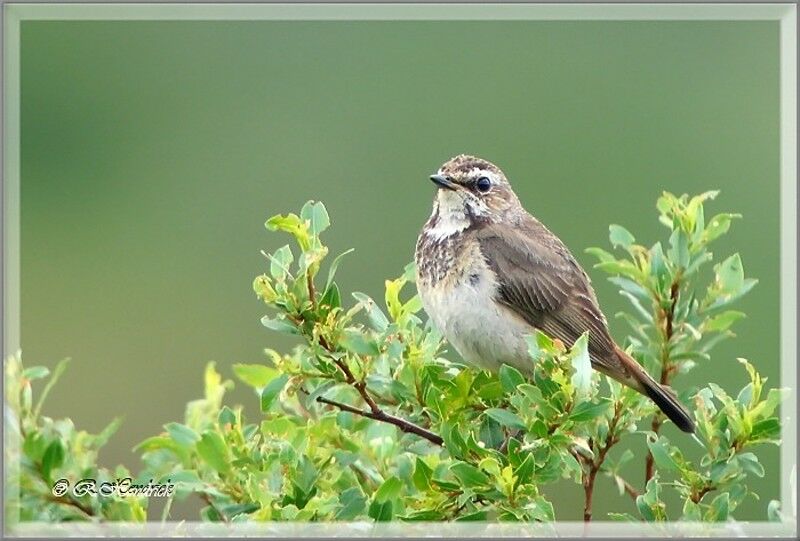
[[489, 273]]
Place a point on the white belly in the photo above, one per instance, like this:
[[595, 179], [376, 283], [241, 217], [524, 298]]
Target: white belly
[[483, 332]]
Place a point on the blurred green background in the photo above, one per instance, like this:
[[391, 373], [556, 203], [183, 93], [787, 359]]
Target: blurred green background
[[153, 152]]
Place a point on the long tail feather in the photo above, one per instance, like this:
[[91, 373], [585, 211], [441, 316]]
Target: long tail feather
[[663, 396]]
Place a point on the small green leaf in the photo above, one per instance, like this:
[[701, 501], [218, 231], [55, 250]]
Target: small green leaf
[[317, 216], [505, 417], [280, 261], [510, 378], [53, 458], [35, 372], [619, 236], [768, 429], [389, 490], [722, 321], [182, 434], [331, 296], [720, 507], [586, 411], [601, 255], [272, 390], [376, 316], [718, 226], [226, 417], [381, 511], [422, 475], [352, 502], [469, 475], [335, 266], [279, 324], [254, 375], [730, 274], [661, 456], [212, 450], [359, 343]]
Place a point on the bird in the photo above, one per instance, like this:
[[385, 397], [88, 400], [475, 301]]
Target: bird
[[489, 274]]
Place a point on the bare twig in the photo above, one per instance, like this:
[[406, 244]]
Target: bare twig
[[594, 465], [375, 412], [380, 415], [667, 369]]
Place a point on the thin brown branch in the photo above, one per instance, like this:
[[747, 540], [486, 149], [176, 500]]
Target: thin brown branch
[[86, 510], [375, 412], [312, 294], [667, 369], [596, 463], [697, 496], [380, 415]]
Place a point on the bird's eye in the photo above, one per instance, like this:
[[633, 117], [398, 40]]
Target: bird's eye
[[483, 184]]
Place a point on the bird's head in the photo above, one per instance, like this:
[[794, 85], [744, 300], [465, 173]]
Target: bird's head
[[473, 188]]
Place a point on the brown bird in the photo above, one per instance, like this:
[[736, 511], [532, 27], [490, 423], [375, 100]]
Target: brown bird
[[489, 273]]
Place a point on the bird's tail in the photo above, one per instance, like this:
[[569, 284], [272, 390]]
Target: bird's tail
[[663, 396]]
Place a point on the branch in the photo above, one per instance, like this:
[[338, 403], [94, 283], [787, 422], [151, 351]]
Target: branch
[[596, 463], [375, 412], [666, 368], [380, 415]]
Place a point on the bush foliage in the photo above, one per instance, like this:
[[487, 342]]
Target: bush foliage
[[368, 419]]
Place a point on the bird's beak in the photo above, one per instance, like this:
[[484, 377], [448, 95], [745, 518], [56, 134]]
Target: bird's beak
[[443, 182]]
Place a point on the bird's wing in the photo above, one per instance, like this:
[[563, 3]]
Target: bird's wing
[[539, 279]]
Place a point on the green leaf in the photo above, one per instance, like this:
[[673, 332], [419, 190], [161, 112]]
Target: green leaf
[[331, 296], [524, 472], [352, 502], [389, 490], [182, 434], [749, 462], [226, 417], [376, 316], [768, 429], [724, 320], [422, 475], [720, 507], [766, 407], [57, 372], [280, 261], [359, 343], [213, 451], [381, 511], [35, 372], [601, 255], [317, 216], [586, 411], [659, 450], [730, 274], [335, 266], [505, 417], [619, 236], [469, 475], [272, 390], [53, 458], [718, 226], [254, 375], [279, 324], [510, 378]]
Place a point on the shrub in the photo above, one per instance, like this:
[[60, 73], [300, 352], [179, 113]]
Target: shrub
[[367, 419]]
